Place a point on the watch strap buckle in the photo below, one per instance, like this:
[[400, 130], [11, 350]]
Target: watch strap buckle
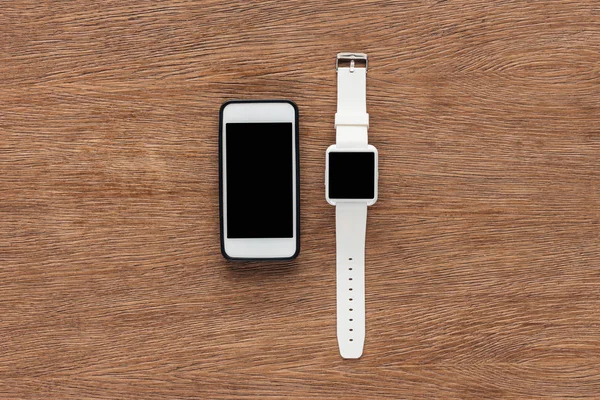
[[352, 57]]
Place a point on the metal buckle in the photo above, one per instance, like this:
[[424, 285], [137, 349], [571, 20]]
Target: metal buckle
[[351, 57]]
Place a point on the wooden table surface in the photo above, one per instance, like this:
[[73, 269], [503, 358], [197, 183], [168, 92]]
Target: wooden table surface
[[483, 252]]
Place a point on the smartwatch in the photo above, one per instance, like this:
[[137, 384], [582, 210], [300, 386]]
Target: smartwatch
[[351, 186]]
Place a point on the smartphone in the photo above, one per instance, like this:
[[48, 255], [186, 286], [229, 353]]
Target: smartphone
[[259, 180]]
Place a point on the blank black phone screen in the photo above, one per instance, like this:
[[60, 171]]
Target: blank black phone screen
[[259, 180]]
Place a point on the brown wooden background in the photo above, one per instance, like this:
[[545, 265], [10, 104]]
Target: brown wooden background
[[483, 255]]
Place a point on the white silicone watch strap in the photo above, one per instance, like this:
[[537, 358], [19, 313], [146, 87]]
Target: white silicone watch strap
[[351, 119], [351, 123], [350, 227]]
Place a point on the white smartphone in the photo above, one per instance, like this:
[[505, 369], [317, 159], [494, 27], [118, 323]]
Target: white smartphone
[[259, 180]]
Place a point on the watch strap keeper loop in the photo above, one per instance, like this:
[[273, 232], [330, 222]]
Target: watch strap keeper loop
[[347, 119]]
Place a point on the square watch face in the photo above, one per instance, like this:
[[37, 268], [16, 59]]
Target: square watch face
[[351, 175]]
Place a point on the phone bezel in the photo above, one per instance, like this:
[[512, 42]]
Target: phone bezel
[[263, 248]]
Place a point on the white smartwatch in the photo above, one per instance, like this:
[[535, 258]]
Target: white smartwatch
[[351, 186]]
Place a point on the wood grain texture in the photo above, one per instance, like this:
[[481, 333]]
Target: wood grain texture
[[483, 255]]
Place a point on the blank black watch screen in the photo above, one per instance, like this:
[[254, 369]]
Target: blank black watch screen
[[259, 159], [351, 175]]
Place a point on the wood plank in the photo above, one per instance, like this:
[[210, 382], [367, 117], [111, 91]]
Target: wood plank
[[483, 251]]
